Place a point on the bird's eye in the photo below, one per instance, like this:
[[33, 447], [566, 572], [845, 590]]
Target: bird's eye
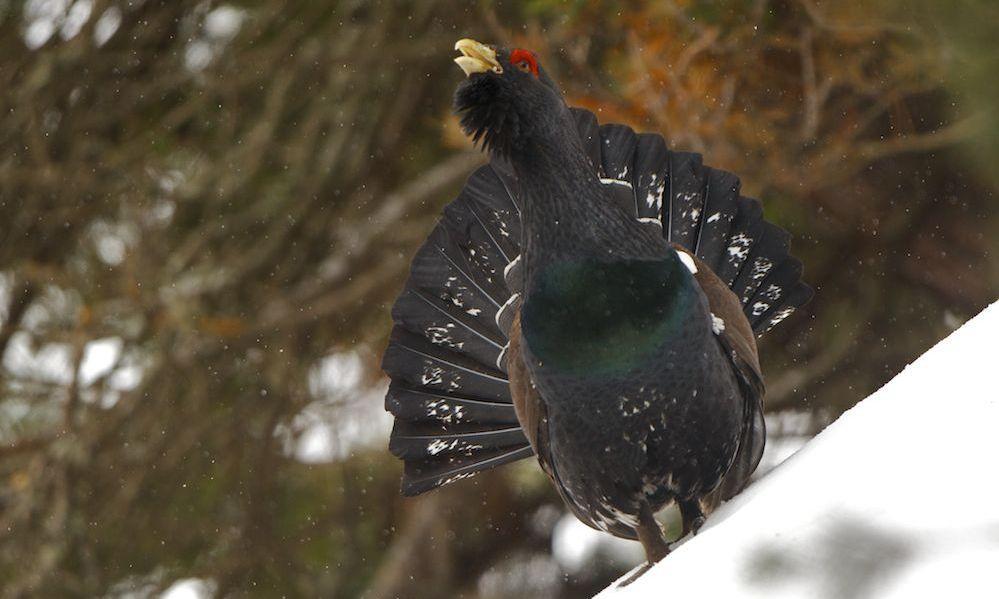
[[525, 61]]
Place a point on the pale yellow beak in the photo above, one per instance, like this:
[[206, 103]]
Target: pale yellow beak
[[476, 57]]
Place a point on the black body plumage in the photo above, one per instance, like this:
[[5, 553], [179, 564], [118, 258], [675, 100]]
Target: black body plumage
[[571, 226], [653, 416]]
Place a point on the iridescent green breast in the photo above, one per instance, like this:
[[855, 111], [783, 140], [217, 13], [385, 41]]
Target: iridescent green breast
[[597, 318]]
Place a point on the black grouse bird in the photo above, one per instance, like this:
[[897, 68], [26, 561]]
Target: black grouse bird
[[591, 297]]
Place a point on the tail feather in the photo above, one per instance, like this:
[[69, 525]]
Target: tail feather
[[449, 393], [650, 175], [686, 183], [420, 364], [422, 405], [491, 192], [716, 221], [452, 280], [773, 292], [617, 149], [746, 227], [448, 325], [411, 441], [482, 239], [457, 252], [770, 247], [798, 295], [423, 475]]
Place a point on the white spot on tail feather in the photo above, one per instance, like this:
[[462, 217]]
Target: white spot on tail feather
[[739, 246], [607, 181], [655, 196], [779, 316], [717, 324], [457, 477], [445, 412], [432, 375], [441, 335], [760, 268], [687, 260]]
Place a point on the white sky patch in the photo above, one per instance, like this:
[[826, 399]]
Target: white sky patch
[[99, 357], [76, 18], [850, 514], [51, 363], [189, 588], [220, 26], [198, 55], [38, 32], [127, 376], [111, 249], [112, 240], [107, 25], [335, 374], [42, 18], [224, 22], [345, 417]]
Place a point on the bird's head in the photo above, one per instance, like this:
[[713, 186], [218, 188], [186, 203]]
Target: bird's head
[[506, 98]]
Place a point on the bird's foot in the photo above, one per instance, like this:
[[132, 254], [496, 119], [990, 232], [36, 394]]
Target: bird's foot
[[693, 517], [696, 524], [636, 574], [650, 534]]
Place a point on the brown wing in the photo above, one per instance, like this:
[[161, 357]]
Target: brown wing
[[530, 408], [725, 305], [736, 336]]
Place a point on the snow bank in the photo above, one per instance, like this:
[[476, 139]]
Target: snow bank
[[899, 498]]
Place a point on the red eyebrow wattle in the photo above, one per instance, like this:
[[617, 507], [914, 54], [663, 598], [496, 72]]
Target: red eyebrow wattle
[[520, 55]]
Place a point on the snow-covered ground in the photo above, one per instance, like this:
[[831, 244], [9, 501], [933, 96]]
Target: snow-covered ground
[[899, 498]]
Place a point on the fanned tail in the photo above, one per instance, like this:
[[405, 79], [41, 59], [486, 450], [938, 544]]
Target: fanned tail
[[446, 357], [700, 208], [449, 393]]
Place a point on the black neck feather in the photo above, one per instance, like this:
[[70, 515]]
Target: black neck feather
[[567, 214]]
